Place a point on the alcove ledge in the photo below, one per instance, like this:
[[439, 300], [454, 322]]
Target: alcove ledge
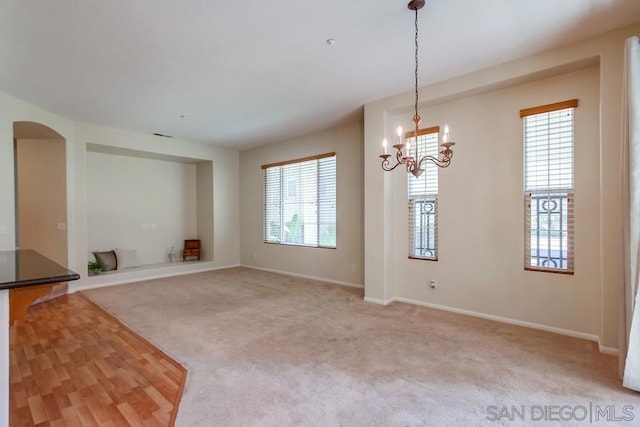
[[143, 273]]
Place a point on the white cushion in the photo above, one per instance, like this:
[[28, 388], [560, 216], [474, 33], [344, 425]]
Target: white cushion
[[127, 258]]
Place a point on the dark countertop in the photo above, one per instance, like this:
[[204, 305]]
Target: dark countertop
[[26, 267]]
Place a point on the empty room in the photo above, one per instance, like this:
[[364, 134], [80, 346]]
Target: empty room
[[341, 213]]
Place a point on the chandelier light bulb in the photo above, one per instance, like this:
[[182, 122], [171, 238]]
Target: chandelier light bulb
[[384, 145]]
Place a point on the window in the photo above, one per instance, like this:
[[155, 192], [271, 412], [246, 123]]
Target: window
[[548, 186], [300, 201], [423, 200]]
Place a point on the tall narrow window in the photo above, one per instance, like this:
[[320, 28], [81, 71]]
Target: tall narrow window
[[423, 200], [548, 186], [300, 201]]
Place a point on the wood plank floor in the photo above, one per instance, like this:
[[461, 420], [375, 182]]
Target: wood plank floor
[[73, 364]]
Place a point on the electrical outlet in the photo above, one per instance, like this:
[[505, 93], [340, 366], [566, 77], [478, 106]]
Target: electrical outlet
[[432, 284]]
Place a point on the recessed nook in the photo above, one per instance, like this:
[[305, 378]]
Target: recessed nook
[[150, 203]]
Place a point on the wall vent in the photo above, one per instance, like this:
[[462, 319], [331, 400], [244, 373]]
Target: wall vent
[[162, 135]]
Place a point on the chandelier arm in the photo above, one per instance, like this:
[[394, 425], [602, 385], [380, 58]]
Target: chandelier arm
[[400, 160], [411, 164], [386, 163], [443, 162]]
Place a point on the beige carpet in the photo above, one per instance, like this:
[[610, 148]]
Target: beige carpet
[[270, 350]]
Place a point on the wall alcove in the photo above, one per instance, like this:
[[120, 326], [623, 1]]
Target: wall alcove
[[149, 202]]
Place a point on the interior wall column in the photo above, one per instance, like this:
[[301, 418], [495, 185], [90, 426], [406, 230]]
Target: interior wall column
[[378, 265]]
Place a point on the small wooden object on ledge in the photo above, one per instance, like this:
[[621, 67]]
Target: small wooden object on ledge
[[191, 249]]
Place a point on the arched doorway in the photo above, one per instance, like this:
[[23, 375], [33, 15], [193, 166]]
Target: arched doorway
[[41, 192]]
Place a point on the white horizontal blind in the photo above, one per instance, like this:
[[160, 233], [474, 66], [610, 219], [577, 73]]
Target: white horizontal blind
[[423, 200], [548, 182], [549, 150], [272, 204], [327, 202], [300, 202]]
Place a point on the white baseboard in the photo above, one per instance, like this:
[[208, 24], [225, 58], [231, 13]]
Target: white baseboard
[[608, 350], [75, 287], [378, 301], [561, 331], [304, 276]]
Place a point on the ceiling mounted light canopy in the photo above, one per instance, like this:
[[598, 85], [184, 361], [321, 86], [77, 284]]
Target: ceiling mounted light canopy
[[412, 161]]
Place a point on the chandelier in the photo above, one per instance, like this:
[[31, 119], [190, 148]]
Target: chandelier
[[412, 161]]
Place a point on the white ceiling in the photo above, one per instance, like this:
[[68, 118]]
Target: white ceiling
[[250, 72]]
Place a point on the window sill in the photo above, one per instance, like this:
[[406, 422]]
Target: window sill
[[549, 270], [299, 245], [422, 259]]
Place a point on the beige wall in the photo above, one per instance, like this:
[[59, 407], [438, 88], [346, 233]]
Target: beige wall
[[42, 197], [204, 209], [481, 212], [136, 203], [481, 258], [332, 264]]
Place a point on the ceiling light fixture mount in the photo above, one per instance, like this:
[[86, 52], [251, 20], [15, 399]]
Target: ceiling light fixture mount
[[414, 163]]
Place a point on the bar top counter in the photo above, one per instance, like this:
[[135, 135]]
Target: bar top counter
[[25, 267]]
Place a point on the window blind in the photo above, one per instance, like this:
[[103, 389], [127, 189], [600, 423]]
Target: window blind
[[327, 202], [300, 201], [548, 185], [549, 150], [423, 200]]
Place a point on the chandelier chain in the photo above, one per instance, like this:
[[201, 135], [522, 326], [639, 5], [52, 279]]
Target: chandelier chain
[[416, 69]]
